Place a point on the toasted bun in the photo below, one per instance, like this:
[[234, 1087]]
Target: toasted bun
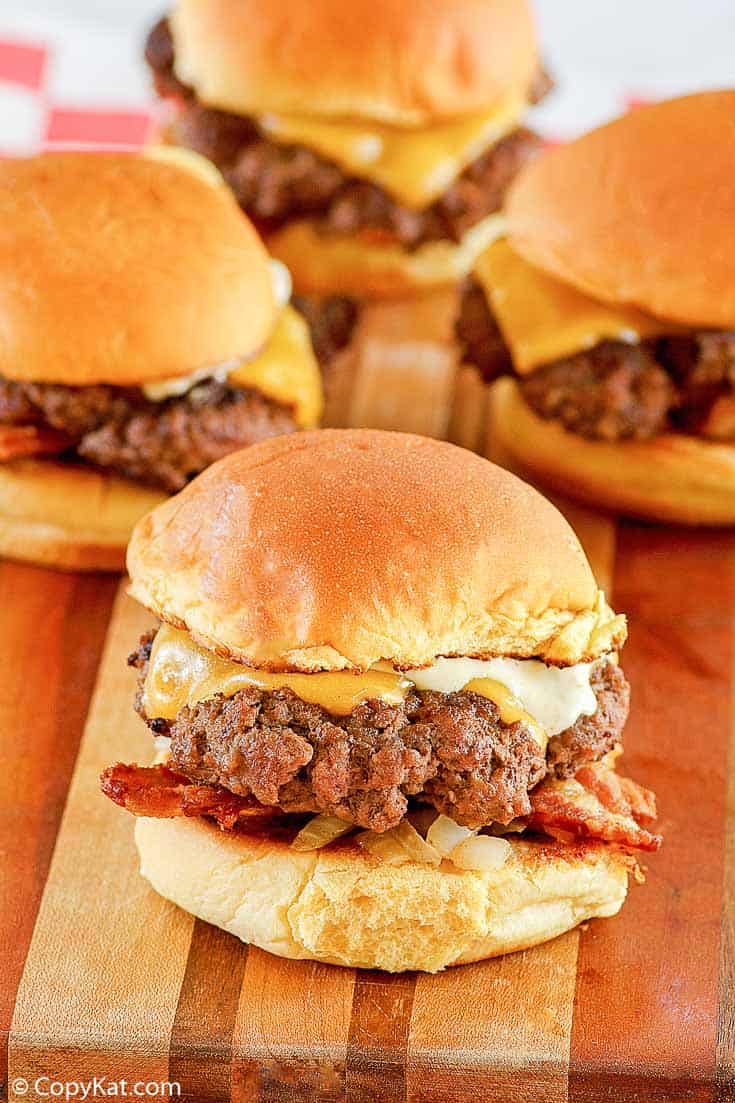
[[329, 263], [420, 60], [70, 516], [335, 549], [641, 211], [342, 906], [672, 478], [123, 270]]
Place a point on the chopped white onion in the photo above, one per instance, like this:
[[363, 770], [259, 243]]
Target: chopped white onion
[[399, 845], [384, 847], [319, 832], [482, 853], [445, 834]]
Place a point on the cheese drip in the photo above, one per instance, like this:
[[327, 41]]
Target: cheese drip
[[414, 166], [181, 673], [543, 319], [547, 700], [285, 370], [510, 709]]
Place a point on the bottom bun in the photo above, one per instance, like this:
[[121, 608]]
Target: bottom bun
[[343, 906], [68, 515], [672, 478], [353, 265]]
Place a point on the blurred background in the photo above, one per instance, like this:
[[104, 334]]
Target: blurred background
[[71, 70]]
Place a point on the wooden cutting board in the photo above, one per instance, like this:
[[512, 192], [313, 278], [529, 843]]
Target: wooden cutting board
[[100, 977]]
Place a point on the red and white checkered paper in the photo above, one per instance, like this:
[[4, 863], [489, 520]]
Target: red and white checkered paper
[[31, 118]]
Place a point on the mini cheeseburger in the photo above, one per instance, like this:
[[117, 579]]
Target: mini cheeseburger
[[613, 298], [388, 705], [370, 142], [143, 334]]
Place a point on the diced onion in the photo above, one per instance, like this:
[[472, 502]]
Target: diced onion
[[385, 847], [444, 834], [482, 853], [319, 832], [399, 845], [416, 847]]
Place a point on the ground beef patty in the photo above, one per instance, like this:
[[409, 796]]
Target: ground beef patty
[[451, 750], [162, 444], [616, 390], [591, 737], [275, 183]]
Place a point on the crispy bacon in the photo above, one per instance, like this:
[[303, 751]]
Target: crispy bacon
[[30, 440], [618, 794], [598, 804], [162, 793]]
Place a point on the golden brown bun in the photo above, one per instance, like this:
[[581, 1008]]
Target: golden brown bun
[[641, 211], [69, 516], [672, 478], [399, 61], [325, 264], [337, 548], [345, 907], [123, 270]]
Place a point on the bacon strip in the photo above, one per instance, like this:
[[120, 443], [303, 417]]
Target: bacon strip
[[161, 793], [595, 804], [30, 440]]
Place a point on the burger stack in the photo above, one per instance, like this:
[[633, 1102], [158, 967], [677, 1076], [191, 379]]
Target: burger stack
[[371, 143]]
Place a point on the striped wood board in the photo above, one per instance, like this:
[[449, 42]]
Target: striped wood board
[[98, 976]]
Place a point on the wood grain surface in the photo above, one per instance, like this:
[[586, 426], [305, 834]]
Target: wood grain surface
[[99, 976]]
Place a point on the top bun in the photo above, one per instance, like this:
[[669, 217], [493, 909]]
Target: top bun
[[406, 62], [124, 270], [641, 211], [336, 549]]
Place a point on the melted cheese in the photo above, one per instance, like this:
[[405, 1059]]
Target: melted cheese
[[543, 319], [555, 697], [181, 673], [509, 707], [285, 370], [414, 166], [548, 700]]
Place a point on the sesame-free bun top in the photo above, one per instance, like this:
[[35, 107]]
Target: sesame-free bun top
[[641, 211], [125, 269], [406, 62], [336, 549]]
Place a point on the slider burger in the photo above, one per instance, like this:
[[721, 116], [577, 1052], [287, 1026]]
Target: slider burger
[[613, 299], [142, 336], [370, 142], [388, 706]]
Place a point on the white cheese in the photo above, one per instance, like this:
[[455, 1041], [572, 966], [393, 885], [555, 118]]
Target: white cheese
[[171, 388], [555, 697]]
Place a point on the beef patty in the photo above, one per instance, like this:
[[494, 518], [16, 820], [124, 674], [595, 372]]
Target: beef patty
[[451, 750], [276, 183], [162, 444], [616, 390]]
